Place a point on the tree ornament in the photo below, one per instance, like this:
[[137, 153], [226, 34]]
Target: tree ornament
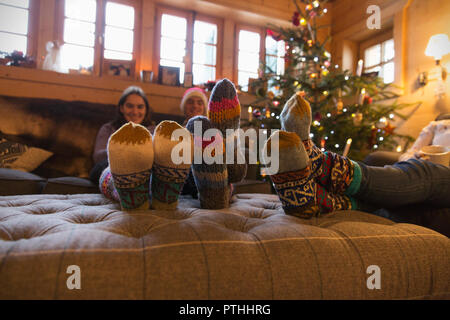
[[270, 95], [257, 113]]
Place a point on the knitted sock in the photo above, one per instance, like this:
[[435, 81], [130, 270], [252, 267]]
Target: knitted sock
[[293, 182], [130, 156], [224, 112], [339, 174], [211, 179], [168, 178], [296, 117], [106, 185], [299, 193]]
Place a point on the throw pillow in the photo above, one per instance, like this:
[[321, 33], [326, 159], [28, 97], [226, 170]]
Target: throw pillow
[[14, 155]]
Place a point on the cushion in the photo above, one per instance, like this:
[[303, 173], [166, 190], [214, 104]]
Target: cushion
[[15, 182], [14, 155], [69, 185], [251, 250]]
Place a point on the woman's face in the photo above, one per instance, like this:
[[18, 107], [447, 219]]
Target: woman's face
[[134, 109], [194, 107]]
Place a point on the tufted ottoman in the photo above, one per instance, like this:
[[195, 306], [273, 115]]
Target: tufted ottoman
[[250, 251]]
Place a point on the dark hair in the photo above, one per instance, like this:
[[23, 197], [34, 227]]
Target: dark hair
[[120, 119]]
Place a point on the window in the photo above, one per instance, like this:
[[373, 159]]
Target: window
[[14, 26], [380, 58], [190, 42], [82, 24], [119, 31], [254, 46], [248, 56], [205, 52], [173, 42], [275, 51]]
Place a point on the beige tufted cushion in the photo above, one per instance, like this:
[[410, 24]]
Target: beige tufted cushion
[[250, 251]]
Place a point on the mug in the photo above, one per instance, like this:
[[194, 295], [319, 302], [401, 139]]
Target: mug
[[436, 154]]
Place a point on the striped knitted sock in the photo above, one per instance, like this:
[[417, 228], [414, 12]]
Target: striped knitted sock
[[168, 178], [224, 112], [296, 117], [130, 156], [211, 179]]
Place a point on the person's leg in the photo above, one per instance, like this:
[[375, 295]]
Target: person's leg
[[404, 183]]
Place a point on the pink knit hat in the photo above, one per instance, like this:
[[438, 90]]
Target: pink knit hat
[[194, 92]]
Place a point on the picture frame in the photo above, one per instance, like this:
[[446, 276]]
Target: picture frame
[[169, 76], [119, 68]]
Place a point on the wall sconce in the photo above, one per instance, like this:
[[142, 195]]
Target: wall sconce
[[438, 46]]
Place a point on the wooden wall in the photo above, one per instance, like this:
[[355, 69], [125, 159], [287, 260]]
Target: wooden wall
[[412, 23]]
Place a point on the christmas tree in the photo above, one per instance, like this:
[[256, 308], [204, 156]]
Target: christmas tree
[[352, 113]]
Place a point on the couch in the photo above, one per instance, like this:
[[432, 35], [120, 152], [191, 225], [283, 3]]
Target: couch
[[61, 136], [53, 222]]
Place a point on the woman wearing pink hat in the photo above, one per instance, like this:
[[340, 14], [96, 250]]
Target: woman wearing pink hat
[[193, 103]]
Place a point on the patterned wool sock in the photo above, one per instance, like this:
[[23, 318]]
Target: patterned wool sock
[[339, 174], [296, 117], [211, 179], [106, 185], [168, 178], [130, 156], [293, 182], [224, 112]]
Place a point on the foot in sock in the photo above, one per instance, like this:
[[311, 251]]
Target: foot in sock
[[210, 178], [168, 178], [130, 156], [296, 117], [331, 170], [299, 194], [224, 112]]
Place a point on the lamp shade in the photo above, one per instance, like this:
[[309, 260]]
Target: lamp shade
[[438, 46]]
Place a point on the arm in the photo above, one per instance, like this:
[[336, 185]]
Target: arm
[[101, 143]]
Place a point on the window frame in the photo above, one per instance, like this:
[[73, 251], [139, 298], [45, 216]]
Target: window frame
[[379, 39], [191, 17], [33, 28], [100, 25], [262, 45]]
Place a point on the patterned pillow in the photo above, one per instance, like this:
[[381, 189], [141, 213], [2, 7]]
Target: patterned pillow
[[14, 155]]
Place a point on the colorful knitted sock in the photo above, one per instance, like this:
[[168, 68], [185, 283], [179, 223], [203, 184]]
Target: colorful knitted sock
[[296, 117], [224, 112], [106, 185], [130, 156], [339, 174], [293, 182], [299, 193], [211, 179], [168, 178]]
